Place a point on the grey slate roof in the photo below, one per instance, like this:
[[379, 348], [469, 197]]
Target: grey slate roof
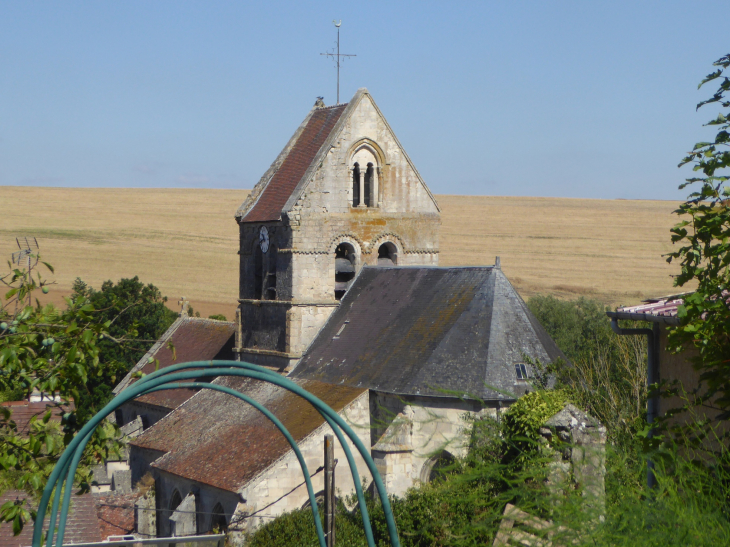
[[422, 330]]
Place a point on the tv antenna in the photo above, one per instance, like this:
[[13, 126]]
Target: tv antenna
[[337, 56], [24, 258]]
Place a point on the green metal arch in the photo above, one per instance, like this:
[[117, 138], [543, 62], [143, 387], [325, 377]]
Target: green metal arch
[[166, 379]]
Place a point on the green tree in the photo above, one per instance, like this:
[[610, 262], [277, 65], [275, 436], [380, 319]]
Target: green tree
[[704, 255], [55, 352], [137, 314]]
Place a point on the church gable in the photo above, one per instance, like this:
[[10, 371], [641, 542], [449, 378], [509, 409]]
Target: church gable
[[365, 168]]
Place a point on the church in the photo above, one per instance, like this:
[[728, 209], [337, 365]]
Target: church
[[340, 290]]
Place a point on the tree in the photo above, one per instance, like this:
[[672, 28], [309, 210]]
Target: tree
[[137, 314], [54, 352], [704, 256]]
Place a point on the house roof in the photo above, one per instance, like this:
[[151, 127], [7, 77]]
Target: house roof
[[656, 310], [115, 513], [24, 411], [82, 524], [218, 440], [422, 330], [193, 339], [291, 168]]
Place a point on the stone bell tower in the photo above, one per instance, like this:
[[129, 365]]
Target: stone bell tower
[[341, 195]]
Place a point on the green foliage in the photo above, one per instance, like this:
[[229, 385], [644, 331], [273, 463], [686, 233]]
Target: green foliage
[[218, 317], [607, 373], [525, 417], [704, 255], [54, 352], [137, 317], [579, 327]]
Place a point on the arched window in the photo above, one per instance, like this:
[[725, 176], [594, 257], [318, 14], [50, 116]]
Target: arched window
[[365, 192], [345, 263], [387, 254], [218, 522], [356, 185], [437, 466], [175, 500], [270, 281]]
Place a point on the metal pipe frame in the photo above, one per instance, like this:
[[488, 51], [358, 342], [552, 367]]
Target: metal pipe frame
[[168, 378]]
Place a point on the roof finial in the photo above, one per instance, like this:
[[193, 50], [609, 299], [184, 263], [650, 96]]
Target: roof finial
[[336, 57], [497, 263], [184, 306]]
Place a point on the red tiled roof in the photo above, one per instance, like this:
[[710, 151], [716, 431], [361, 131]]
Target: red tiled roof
[[23, 411], [116, 513], [82, 525], [218, 440], [287, 177], [194, 339]]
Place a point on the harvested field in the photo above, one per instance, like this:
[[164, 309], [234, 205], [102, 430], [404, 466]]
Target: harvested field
[[185, 241]]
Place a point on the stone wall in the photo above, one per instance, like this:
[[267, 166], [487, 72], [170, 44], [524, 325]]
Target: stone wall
[[270, 494]]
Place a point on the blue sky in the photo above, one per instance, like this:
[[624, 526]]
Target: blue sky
[[540, 98]]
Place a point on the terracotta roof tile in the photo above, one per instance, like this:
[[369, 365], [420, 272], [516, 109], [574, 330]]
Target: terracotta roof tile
[[273, 198], [23, 411], [194, 339], [218, 440], [82, 525], [115, 513]]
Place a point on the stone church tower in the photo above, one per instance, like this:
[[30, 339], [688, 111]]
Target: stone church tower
[[343, 194]]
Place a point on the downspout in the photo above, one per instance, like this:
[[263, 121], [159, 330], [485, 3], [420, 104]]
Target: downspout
[[652, 381]]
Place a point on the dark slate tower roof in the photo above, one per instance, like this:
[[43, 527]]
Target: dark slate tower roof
[[429, 331]]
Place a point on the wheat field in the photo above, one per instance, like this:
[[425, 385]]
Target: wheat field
[[185, 241]]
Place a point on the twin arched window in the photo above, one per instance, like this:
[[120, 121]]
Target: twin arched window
[[365, 175]]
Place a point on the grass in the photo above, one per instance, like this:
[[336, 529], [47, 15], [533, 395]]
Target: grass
[[185, 241]]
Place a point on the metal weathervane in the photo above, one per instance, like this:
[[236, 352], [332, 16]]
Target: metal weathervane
[[337, 56]]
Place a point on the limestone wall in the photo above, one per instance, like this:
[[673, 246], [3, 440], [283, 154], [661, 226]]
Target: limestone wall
[[280, 478]]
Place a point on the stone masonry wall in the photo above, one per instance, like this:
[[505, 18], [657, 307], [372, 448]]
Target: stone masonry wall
[[285, 474]]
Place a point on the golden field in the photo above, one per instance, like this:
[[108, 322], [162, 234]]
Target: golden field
[[185, 241]]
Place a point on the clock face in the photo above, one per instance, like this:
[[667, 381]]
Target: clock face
[[264, 239]]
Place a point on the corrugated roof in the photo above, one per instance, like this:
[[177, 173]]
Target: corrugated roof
[[82, 524], [193, 339], [280, 187], [218, 440], [420, 330], [657, 310]]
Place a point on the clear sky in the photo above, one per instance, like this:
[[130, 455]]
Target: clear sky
[[536, 98]]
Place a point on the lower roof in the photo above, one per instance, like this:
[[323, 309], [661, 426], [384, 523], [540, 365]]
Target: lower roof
[[219, 440], [429, 331]]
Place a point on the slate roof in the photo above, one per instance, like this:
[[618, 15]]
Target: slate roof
[[656, 310], [23, 411], [271, 201], [194, 339], [422, 330], [218, 440], [82, 525]]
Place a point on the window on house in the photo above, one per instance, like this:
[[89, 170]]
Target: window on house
[[521, 371], [345, 260], [387, 254], [356, 185]]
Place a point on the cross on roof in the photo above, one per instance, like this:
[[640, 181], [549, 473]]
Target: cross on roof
[[336, 57]]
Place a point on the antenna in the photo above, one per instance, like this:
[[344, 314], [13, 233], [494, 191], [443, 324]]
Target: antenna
[[336, 56], [25, 257]]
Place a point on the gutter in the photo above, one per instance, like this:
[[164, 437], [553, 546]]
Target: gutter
[[652, 377]]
